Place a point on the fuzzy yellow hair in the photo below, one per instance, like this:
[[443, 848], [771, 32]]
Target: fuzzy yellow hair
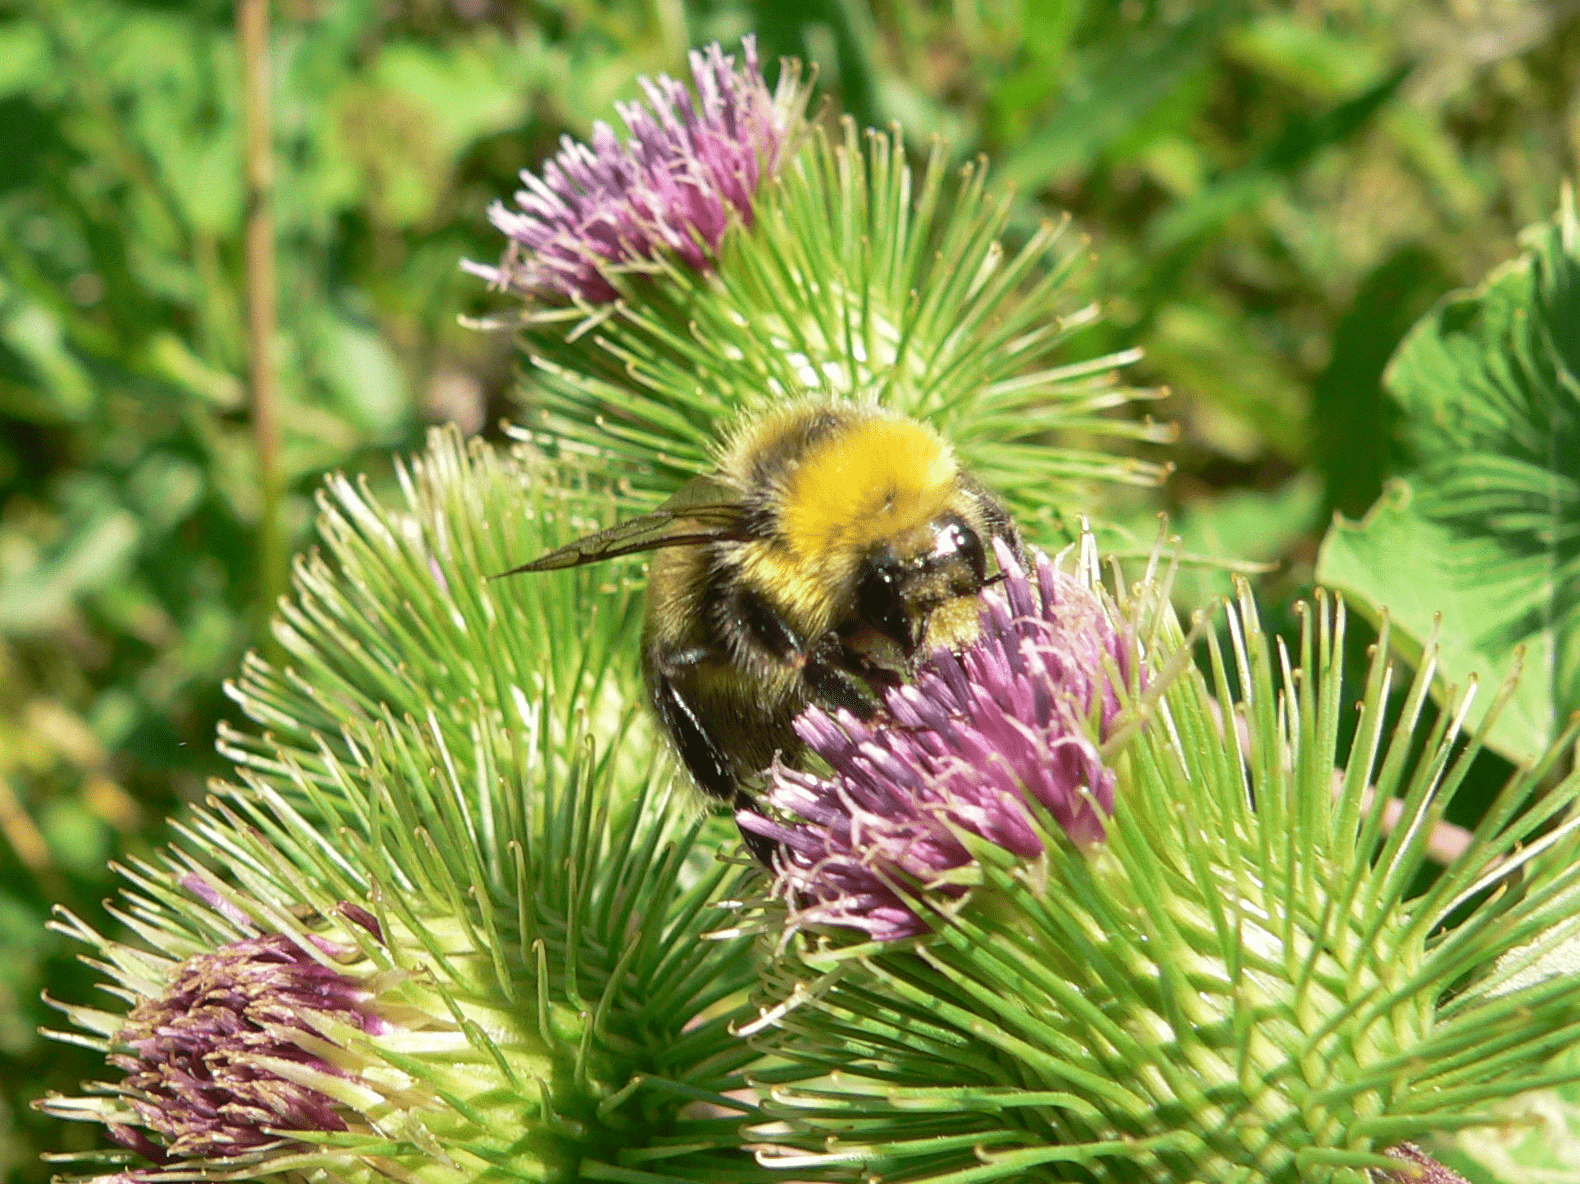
[[875, 480]]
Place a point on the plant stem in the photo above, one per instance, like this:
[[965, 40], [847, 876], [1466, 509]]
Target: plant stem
[[252, 31]]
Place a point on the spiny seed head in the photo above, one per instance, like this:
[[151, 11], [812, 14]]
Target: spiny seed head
[[246, 1055]]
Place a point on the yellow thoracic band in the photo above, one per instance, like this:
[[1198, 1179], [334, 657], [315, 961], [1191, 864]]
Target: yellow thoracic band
[[871, 483]]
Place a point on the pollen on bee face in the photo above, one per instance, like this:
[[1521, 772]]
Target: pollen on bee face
[[868, 484]]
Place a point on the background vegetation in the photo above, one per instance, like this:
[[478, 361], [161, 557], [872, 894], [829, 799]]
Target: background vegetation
[[1274, 193]]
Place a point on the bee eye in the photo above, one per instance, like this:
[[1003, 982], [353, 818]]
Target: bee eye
[[970, 547], [879, 603], [956, 546]]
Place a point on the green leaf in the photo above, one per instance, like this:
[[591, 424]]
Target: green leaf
[[1485, 530]]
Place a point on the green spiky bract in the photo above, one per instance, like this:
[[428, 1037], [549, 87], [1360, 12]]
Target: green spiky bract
[[429, 757], [856, 279], [1244, 982]]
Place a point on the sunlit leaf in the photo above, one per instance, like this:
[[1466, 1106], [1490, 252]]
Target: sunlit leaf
[[1486, 529]]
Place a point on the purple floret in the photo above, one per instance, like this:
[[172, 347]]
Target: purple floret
[[198, 1058], [690, 168], [1015, 719]]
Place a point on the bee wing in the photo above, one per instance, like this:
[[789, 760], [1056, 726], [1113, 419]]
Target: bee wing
[[668, 526]]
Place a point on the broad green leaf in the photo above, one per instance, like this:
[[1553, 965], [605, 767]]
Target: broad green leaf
[[1486, 527]]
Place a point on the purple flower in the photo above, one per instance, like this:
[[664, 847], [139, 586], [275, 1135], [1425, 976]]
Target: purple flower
[[688, 171], [209, 1062], [1000, 741]]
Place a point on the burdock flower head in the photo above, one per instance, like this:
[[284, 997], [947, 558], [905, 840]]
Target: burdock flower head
[[999, 744], [239, 1049], [1193, 949], [690, 169], [258, 1053], [437, 934]]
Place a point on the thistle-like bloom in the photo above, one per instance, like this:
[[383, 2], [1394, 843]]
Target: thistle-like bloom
[[222, 1062], [249, 1054], [690, 169], [1000, 742], [1243, 981], [520, 989]]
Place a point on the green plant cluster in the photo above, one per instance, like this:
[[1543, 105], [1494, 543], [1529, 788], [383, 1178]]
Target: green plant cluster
[[1274, 194]]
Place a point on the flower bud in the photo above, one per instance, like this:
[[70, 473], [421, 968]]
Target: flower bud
[[307, 1048]]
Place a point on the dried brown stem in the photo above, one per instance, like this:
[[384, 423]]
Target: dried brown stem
[[252, 32]]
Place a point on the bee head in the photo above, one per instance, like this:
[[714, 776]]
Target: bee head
[[899, 584]]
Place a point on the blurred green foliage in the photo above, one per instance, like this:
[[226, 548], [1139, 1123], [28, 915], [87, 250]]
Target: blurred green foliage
[[1274, 193]]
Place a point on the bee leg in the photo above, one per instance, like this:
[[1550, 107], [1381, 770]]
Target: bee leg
[[704, 760], [824, 671], [834, 686], [820, 665], [701, 755]]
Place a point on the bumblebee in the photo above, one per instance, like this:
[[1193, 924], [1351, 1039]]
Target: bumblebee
[[835, 543]]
